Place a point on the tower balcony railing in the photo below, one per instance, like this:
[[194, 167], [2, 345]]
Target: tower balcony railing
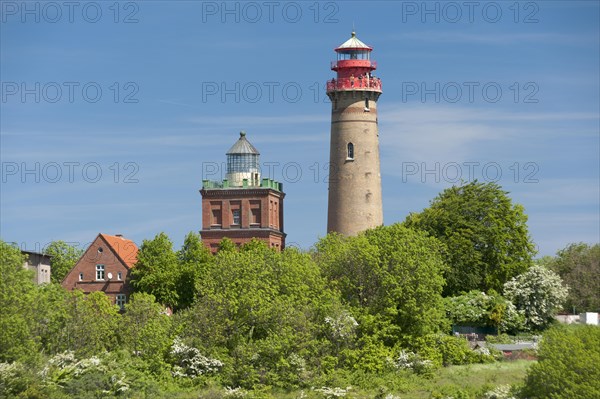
[[363, 83], [353, 63]]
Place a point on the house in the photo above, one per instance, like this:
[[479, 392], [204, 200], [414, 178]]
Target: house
[[39, 263], [105, 266]]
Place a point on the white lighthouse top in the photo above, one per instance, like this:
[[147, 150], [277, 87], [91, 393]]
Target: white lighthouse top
[[353, 44]]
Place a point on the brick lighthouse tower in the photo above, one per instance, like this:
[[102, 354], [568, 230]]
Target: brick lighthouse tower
[[354, 180]]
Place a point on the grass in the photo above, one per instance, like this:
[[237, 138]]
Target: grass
[[458, 381], [469, 378]]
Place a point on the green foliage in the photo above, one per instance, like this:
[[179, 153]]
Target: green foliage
[[485, 234], [156, 271], [539, 294], [93, 324], [17, 297], [52, 317], [567, 367], [63, 258], [171, 277], [261, 312], [475, 308], [148, 331], [579, 266], [392, 276], [193, 260], [445, 350]]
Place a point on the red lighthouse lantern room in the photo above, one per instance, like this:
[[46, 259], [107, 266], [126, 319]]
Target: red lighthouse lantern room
[[354, 68]]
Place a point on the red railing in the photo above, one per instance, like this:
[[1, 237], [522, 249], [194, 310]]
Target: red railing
[[354, 63], [364, 83]]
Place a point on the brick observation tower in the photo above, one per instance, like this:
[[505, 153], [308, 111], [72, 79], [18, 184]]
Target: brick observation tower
[[242, 206], [355, 181]]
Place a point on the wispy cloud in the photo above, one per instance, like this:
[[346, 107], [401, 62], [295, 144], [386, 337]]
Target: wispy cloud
[[498, 38], [442, 133]]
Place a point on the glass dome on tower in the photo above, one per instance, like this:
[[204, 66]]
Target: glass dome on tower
[[243, 163]]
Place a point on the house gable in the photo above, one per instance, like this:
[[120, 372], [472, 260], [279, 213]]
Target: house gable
[[104, 266]]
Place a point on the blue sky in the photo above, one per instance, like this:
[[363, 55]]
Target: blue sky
[[112, 113]]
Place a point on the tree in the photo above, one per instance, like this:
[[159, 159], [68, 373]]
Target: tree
[[147, 329], [392, 276], [93, 325], [63, 258], [579, 267], [567, 367], [262, 312], [193, 259], [485, 234], [17, 296], [477, 308], [539, 293], [156, 271]]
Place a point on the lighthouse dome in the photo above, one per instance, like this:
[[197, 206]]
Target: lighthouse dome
[[353, 44], [242, 146], [242, 163]]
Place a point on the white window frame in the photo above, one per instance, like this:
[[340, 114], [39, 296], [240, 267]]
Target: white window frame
[[100, 272]]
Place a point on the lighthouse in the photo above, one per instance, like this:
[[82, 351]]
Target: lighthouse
[[242, 206], [355, 201]]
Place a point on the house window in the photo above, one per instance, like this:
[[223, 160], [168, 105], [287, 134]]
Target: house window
[[236, 216], [350, 152], [121, 300], [99, 272], [80, 276], [119, 276]]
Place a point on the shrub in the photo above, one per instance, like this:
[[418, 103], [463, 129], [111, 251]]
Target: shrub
[[568, 365]]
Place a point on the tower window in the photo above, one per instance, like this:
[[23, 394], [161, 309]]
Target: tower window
[[236, 216], [367, 105], [216, 217], [350, 152]]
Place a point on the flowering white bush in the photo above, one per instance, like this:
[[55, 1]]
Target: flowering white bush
[[342, 326], [411, 361], [330, 393], [9, 375], [297, 362], [64, 366], [500, 392], [539, 293], [482, 350], [190, 362]]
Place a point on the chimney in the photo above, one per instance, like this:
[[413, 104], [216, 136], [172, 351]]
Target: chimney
[[119, 235]]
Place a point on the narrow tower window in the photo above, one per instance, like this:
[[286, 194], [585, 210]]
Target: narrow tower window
[[350, 151], [367, 105], [236, 216]]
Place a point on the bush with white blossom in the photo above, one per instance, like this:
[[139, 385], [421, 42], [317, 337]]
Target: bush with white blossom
[[189, 362], [539, 293], [331, 393]]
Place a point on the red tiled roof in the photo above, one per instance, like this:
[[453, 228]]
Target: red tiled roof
[[124, 248]]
